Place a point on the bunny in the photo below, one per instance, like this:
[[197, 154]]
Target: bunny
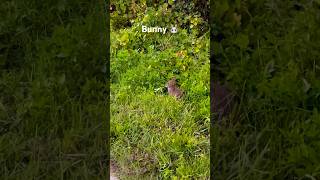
[[173, 88]]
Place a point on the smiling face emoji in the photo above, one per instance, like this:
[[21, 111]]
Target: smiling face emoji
[[174, 30]]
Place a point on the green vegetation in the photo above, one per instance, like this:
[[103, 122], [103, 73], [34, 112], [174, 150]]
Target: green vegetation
[[53, 90], [155, 135], [271, 61]]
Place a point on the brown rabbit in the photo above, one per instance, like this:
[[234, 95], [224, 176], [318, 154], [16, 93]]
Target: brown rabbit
[[221, 99], [173, 88]]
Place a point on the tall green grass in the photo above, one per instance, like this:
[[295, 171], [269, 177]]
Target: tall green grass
[[52, 90], [270, 61]]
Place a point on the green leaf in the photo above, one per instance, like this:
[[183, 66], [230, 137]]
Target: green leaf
[[124, 39], [221, 8], [242, 41]]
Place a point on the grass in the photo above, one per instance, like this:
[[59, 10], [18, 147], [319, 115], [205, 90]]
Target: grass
[[52, 91], [157, 133], [154, 135], [270, 63]]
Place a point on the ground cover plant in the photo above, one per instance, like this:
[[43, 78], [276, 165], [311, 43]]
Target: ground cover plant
[[154, 135], [53, 90], [268, 53]]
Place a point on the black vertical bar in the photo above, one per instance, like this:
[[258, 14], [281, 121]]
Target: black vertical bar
[[106, 44], [211, 90]]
